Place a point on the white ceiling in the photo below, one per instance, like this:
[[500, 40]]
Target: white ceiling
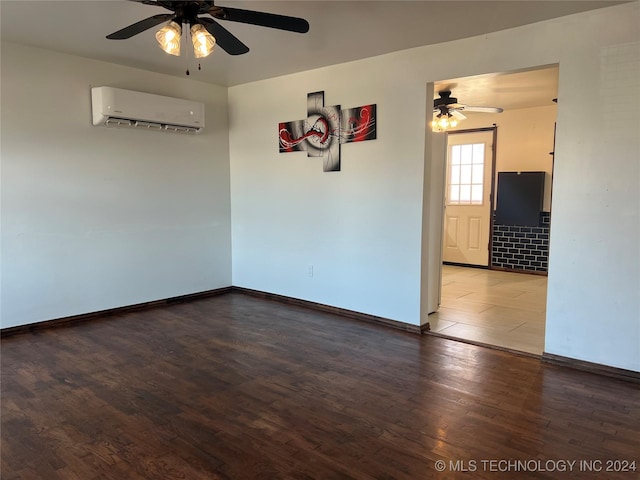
[[513, 90], [340, 31]]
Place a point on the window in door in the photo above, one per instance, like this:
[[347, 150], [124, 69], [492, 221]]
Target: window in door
[[466, 174]]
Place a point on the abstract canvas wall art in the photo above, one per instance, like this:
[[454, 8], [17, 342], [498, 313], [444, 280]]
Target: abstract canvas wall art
[[325, 129]]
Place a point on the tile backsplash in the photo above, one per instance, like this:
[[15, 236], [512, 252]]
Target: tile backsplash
[[521, 248]]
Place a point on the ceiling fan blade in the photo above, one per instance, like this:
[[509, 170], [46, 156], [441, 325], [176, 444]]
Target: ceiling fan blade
[[457, 114], [227, 41], [146, 2], [139, 27], [469, 108], [271, 20]]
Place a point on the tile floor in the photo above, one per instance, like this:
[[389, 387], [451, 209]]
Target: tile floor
[[492, 307]]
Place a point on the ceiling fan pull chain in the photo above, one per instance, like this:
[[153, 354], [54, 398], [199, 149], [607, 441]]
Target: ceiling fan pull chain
[[186, 50]]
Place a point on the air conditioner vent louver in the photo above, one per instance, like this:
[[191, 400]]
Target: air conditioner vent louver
[[118, 122], [114, 107], [149, 125]]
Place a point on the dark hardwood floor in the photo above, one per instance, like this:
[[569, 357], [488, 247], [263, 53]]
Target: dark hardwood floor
[[238, 387]]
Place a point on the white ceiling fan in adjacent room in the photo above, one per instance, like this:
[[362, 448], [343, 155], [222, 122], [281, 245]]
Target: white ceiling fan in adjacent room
[[447, 112]]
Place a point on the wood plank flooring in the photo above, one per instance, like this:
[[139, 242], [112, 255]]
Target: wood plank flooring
[[236, 387], [505, 309]]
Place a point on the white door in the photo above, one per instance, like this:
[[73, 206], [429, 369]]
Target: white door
[[468, 198]]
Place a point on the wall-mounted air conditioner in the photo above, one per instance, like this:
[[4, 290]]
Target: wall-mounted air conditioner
[[115, 107]]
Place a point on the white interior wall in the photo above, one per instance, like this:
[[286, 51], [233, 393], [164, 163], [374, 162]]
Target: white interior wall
[[96, 218], [593, 305], [353, 226], [361, 227]]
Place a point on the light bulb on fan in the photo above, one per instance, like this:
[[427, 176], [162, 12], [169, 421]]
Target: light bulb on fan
[[203, 41], [168, 38]]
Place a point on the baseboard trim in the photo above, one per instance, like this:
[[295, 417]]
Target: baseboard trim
[[621, 373], [484, 345], [513, 270], [407, 327], [599, 369], [466, 265], [84, 317]]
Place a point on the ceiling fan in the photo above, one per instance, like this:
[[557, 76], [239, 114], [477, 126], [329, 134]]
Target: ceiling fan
[[448, 112], [199, 14]]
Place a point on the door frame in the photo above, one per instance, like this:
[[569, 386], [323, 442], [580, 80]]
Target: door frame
[[494, 141]]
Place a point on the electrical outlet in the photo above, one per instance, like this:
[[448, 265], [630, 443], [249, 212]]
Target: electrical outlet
[[310, 270]]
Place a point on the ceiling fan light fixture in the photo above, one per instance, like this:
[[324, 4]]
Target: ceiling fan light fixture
[[443, 121], [168, 38], [440, 123], [203, 41]]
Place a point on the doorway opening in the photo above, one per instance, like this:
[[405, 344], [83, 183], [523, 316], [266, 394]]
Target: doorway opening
[[497, 208]]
